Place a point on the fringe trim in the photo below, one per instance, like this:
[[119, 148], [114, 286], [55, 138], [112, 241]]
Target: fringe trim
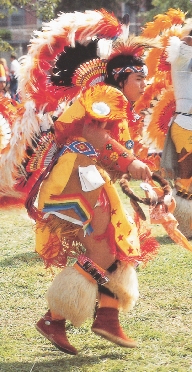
[[58, 250]]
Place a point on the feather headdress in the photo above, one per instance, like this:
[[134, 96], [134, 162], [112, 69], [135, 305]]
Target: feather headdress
[[88, 39], [40, 97], [47, 44], [158, 100]]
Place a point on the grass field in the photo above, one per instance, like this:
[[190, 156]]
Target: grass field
[[161, 321]]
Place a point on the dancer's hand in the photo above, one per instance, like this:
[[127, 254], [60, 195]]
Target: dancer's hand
[[187, 40], [139, 170]]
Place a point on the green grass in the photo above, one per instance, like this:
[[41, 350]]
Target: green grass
[[161, 321]]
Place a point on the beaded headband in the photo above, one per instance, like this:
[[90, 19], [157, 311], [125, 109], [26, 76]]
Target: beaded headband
[[121, 70]]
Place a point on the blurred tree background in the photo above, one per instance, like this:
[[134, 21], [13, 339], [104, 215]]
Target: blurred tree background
[[49, 8], [140, 11], [159, 6]]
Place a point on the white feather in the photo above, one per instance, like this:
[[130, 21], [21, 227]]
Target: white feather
[[173, 49], [125, 33], [168, 199], [22, 132], [104, 48]]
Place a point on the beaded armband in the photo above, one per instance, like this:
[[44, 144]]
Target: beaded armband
[[114, 156]]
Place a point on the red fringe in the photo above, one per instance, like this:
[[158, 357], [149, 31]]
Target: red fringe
[[52, 246], [57, 254], [149, 246], [22, 190], [7, 202]]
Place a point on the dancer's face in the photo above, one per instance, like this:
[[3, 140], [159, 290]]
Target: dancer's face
[[134, 86]]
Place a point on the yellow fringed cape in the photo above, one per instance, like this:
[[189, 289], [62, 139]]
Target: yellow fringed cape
[[64, 183], [62, 191]]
